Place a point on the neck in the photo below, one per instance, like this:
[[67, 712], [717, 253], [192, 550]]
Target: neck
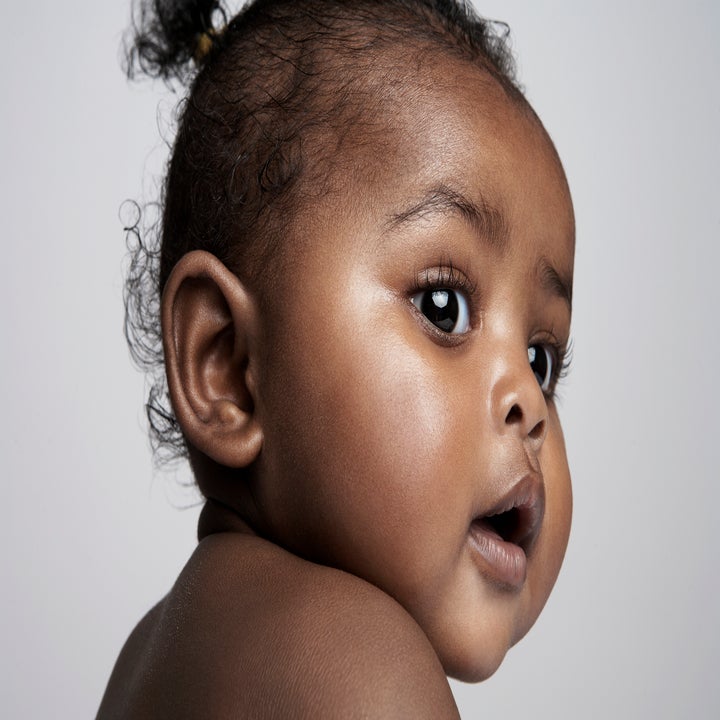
[[217, 517]]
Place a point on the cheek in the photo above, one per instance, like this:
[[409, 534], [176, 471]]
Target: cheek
[[369, 442], [550, 549], [377, 426], [558, 486]]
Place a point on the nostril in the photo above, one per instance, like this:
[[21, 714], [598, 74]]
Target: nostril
[[514, 415], [538, 432], [517, 416]]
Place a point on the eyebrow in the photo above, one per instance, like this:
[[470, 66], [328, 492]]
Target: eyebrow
[[488, 221], [554, 282], [490, 224]]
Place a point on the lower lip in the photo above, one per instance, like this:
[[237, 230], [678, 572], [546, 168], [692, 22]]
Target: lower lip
[[501, 562]]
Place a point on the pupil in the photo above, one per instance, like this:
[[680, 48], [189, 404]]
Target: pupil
[[440, 307], [539, 363]]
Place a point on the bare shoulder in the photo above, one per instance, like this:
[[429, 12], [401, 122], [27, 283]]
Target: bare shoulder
[[250, 630]]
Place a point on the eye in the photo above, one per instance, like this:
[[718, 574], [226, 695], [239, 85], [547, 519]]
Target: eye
[[541, 362], [445, 308]]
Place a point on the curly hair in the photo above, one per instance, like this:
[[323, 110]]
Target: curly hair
[[271, 93]]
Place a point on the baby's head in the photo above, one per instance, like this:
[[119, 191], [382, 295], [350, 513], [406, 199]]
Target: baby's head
[[366, 273]]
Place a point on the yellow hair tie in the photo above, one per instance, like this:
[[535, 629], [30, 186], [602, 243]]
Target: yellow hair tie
[[204, 45]]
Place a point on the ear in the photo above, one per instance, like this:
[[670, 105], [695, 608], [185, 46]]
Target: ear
[[209, 328]]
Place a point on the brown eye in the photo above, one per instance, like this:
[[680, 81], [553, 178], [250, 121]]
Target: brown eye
[[541, 362], [445, 308]]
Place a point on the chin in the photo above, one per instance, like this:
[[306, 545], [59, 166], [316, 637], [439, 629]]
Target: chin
[[474, 667], [475, 673]]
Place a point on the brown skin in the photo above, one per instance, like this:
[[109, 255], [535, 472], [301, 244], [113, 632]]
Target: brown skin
[[370, 439]]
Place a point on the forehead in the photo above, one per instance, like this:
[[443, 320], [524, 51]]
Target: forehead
[[447, 125], [435, 140], [464, 128]]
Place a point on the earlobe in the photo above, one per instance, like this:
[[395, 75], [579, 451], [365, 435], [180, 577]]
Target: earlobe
[[209, 326]]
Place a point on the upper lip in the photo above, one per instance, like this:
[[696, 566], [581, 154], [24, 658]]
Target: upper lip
[[518, 515]]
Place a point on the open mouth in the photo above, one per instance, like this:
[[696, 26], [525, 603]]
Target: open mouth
[[504, 536], [517, 526]]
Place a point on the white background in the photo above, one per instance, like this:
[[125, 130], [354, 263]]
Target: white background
[[91, 538]]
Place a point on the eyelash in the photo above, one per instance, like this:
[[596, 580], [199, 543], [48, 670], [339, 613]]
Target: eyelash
[[562, 354], [448, 277]]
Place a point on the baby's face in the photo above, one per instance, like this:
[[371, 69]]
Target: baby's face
[[411, 352]]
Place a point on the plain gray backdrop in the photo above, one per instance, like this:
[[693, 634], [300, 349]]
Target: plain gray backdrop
[[91, 537]]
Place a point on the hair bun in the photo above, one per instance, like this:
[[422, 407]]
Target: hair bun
[[169, 38]]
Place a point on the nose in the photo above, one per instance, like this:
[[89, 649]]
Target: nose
[[519, 405]]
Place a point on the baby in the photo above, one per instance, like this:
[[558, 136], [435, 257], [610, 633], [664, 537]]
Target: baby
[[364, 286]]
